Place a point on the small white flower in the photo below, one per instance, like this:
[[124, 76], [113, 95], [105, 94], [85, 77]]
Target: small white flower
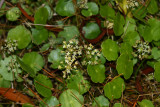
[[98, 54], [59, 67], [85, 46], [9, 68], [89, 62], [64, 42], [67, 61], [68, 53], [74, 53], [68, 71], [93, 53], [64, 46], [88, 52], [76, 62], [68, 46], [71, 41], [89, 48], [75, 67], [79, 52]]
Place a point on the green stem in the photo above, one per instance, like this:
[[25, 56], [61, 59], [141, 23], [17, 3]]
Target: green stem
[[138, 68]]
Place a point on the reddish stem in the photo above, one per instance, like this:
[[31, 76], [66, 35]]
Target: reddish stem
[[25, 13]]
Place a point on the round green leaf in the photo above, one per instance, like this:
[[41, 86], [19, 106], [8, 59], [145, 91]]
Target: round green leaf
[[43, 85], [34, 60], [96, 72], [114, 89], [41, 17], [49, 102], [55, 57], [107, 12], [91, 30], [92, 9], [13, 14], [117, 105], [21, 34], [110, 49], [78, 83], [71, 98], [124, 66], [69, 32], [102, 102], [131, 37], [65, 8], [146, 103], [39, 36], [157, 73]]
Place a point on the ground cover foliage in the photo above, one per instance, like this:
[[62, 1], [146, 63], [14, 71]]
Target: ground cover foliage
[[79, 53]]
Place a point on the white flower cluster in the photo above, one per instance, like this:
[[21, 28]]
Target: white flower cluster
[[72, 52], [142, 49], [9, 46], [82, 4], [92, 55], [13, 65], [132, 4], [108, 24]]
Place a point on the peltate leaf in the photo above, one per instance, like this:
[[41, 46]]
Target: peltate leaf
[[21, 34], [91, 30], [96, 72], [110, 49], [13, 14], [114, 89], [33, 60], [124, 66], [65, 8], [39, 36], [92, 9]]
